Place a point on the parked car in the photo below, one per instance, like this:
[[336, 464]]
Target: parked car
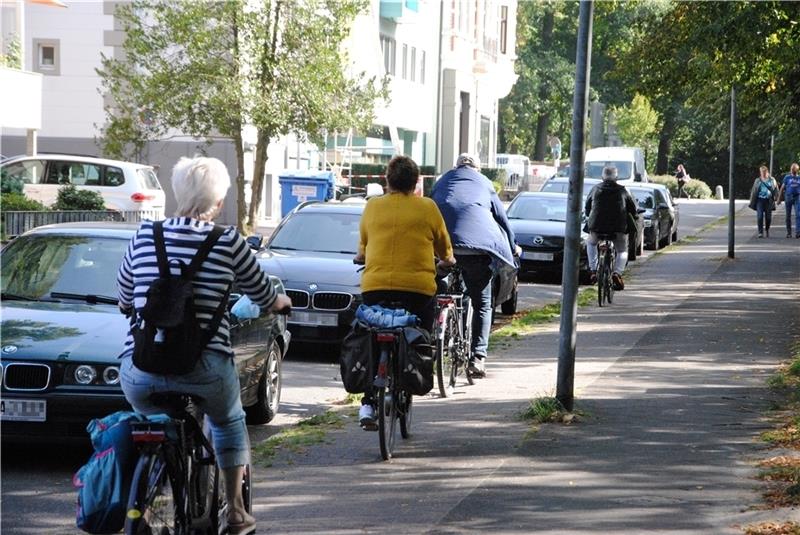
[[660, 216], [538, 220], [124, 186], [312, 252], [635, 240], [62, 332]]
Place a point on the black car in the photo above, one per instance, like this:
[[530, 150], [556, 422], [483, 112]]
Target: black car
[[660, 216], [62, 333], [312, 252], [635, 240], [538, 220]]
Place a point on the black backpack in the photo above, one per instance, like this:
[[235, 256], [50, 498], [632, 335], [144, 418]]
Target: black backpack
[[167, 338]]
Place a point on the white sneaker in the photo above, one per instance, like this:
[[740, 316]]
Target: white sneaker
[[477, 367], [366, 417]]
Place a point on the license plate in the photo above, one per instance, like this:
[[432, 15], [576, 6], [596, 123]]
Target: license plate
[[529, 255], [314, 318], [23, 410]]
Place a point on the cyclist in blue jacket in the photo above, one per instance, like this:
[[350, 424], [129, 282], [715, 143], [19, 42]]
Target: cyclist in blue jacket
[[790, 190]]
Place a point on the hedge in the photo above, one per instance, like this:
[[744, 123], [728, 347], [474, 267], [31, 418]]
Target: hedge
[[694, 188], [17, 202], [380, 169]]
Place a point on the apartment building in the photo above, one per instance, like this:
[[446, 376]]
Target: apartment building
[[448, 63]]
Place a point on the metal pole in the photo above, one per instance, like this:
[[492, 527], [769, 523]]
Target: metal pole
[[565, 381], [771, 147], [731, 196]]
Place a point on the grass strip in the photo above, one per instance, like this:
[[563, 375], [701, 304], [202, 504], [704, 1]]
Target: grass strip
[[297, 438]]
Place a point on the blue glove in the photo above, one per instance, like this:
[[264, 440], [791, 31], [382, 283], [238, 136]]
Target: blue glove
[[245, 309]]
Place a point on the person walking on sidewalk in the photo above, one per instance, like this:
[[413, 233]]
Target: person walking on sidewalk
[[762, 200], [555, 150], [401, 234], [482, 238], [682, 177], [608, 206], [790, 191]]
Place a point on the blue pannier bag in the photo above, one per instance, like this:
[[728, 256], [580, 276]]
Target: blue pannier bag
[[104, 482]]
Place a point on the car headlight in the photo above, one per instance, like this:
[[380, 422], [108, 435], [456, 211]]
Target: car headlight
[[111, 375], [85, 374]]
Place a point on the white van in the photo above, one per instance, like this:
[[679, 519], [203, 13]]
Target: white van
[[629, 162], [516, 165]]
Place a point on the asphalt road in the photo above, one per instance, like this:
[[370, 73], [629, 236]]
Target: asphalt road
[[37, 494]]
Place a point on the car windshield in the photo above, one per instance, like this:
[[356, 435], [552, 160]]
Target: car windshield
[[538, 209], [33, 267], [595, 169], [644, 198], [563, 187], [319, 232]]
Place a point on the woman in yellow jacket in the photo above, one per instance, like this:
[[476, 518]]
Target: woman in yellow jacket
[[401, 234]]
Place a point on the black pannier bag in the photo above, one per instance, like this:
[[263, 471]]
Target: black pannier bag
[[416, 367], [356, 358], [167, 338]]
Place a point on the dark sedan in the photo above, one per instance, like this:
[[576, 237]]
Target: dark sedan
[[660, 216], [62, 334], [312, 252], [538, 220]]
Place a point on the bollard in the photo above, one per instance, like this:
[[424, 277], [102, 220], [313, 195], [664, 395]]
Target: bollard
[[718, 193]]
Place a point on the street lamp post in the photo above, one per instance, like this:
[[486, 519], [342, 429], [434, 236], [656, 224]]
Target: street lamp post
[[565, 381], [731, 196]]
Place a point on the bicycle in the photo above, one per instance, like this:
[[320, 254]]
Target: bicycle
[[605, 268], [176, 486], [393, 405], [453, 334]]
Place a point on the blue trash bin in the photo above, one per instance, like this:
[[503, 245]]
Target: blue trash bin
[[301, 186]]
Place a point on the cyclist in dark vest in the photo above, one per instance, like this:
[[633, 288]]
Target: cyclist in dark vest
[[608, 207]]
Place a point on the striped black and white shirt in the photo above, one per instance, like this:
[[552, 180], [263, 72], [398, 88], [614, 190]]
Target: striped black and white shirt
[[230, 260]]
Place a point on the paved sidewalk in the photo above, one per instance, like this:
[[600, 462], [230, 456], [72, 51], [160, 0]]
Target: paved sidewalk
[[671, 381]]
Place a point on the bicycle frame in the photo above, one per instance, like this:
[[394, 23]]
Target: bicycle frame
[[392, 404], [605, 267]]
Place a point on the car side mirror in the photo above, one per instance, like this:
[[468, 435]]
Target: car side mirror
[[640, 210], [255, 241], [663, 206], [637, 177]]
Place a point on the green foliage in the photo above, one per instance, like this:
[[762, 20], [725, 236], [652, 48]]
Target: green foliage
[[637, 124], [547, 410], [380, 169], [13, 56], [695, 188], [298, 438], [209, 68], [11, 184], [71, 198], [13, 201], [495, 174]]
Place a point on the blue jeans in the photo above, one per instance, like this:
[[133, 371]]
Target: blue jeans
[[216, 381], [793, 201], [477, 273], [763, 214]]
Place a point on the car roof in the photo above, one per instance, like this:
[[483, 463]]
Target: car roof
[[648, 185], [76, 158], [332, 207], [544, 194], [99, 229], [560, 179]]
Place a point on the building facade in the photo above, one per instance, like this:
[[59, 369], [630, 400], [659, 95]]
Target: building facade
[[447, 62]]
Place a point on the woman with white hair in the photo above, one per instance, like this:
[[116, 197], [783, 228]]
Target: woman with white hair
[[200, 185]]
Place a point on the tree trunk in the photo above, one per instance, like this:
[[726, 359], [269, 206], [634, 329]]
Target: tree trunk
[[259, 168], [665, 143], [241, 205], [543, 122]]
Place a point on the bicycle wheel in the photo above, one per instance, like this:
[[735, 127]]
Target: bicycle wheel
[[609, 270], [387, 411], [407, 413], [601, 280], [152, 505], [466, 341], [446, 354]]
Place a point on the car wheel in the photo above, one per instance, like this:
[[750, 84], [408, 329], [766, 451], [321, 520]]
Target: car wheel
[[510, 307], [269, 389], [675, 234], [668, 239]]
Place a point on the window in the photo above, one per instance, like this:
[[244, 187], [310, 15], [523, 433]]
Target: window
[[422, 66], [405, 62], [388, 47], [79, 174], [503, 28], [47, 59], [148, 177], [413, 69], [114, 177], [29, 171]]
